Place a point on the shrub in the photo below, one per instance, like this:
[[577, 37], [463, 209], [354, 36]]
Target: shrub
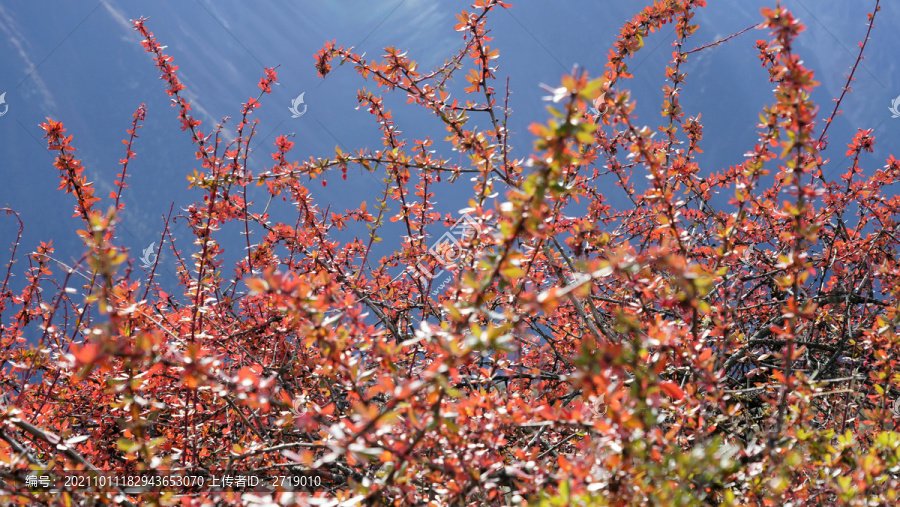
[[670, 352]]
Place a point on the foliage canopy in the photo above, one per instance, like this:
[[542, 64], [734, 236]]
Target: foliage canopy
[[670, 352]]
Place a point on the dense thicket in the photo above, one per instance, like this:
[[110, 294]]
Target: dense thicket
[[670, 352]]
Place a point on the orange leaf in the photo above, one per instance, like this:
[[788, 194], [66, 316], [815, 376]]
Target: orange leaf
[[86, 354], [672, 390]]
